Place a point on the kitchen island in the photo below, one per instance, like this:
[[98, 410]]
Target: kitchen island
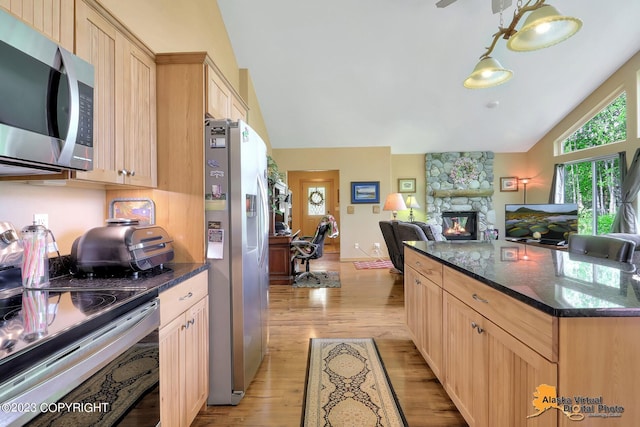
[[527, 336]]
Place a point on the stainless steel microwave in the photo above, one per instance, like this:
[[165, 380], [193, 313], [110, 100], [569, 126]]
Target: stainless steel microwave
[[46, 104]]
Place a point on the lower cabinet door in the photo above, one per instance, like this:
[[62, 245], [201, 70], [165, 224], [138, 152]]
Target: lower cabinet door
[[172, 385], [196, 358], [466, 361], [412, 302], [490, 375], [431, 307], [515, 372]]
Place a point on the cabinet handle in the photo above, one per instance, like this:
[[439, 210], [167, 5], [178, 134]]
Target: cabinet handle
[[123, 172], [417, 281], [477, 298], [187, 296], [418, 264], [132, 173], [474, 325]]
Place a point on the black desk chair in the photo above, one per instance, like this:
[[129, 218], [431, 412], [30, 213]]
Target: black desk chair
[[305, 250], [602, 247]]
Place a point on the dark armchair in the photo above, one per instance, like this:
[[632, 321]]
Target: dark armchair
[[396, 232]]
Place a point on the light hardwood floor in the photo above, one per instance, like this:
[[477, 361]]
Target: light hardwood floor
[[369, 304]]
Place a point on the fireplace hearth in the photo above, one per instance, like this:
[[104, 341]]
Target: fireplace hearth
[[460, 225]]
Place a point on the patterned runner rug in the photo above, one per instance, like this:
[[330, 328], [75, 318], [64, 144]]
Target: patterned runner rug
[[347, 385], [363, 265]]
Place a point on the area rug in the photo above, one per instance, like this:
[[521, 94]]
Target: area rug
[[347, 385], [328, 279], [366, 265]]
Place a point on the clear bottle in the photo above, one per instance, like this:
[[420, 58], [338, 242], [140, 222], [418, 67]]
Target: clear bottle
[[35, 261]]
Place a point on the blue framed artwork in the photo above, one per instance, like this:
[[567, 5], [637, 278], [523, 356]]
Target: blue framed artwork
[[365, 192]]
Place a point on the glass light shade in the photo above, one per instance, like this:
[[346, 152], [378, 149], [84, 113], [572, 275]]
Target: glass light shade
[[489, 72], [394, 202], [543, 27], [412, 202]]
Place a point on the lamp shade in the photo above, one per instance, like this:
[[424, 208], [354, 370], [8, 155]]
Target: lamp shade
[[394, 202], [412, 202], [543, 27], [489, 72]]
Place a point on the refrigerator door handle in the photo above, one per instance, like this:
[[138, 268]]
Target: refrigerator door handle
[[263, 242]]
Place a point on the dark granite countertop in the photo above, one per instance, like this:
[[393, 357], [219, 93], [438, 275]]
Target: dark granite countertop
[[155, 281], [556, 282], [73, 304]]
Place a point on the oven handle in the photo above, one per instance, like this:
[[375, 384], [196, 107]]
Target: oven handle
[[66, 61], [44, 383]]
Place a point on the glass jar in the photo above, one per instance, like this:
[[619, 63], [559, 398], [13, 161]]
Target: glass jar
[[35, 262]]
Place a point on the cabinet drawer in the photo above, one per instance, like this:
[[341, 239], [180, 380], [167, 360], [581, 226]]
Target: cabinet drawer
[[424, 265], [529, 325], [178, 299]]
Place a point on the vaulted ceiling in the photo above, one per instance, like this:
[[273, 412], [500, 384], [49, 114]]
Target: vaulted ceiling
[[346, 73]]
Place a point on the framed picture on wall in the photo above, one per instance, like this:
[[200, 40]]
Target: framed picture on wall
[[365, 192], [407, 185], [509, 183]]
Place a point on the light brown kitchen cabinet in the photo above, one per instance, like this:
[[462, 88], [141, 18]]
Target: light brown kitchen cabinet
[[184, 351], [182, 103], [53, 18], [137, 146], [218, 95], [124, 100], [489, 351], [238, 110], [222, 103], [490, 375], [423, 302]]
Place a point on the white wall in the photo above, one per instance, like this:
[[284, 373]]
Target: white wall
[[72, 211]]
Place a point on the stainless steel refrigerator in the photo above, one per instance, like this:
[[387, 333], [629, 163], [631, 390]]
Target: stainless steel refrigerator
[[237, 228]]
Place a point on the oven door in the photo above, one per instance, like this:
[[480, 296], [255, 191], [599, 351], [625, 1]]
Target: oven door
[[108, 378]]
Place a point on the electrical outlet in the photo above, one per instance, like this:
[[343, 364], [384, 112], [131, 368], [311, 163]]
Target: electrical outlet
[[376, 246], [41, 219], [356, 245]]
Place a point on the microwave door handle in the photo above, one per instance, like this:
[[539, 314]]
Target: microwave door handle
[[66, 62]]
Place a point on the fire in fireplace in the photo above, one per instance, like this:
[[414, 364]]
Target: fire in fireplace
[[461, 225]]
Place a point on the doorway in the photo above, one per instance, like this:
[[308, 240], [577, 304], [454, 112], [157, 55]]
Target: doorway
[[314, 194]]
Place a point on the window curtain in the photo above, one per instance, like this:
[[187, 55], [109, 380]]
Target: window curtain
[[556, 194], [625, 220]]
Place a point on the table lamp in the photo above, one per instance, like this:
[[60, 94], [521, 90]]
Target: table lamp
[[412, 202], [394, 203]]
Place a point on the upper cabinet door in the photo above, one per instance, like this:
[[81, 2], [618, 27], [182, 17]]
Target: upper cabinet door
[[124, 102], [218, 96], [238, 111], [53, 18], [97, 45], [137, 102]]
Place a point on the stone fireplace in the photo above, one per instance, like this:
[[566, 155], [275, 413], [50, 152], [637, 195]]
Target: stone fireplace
[[460, 185], [459, 225]]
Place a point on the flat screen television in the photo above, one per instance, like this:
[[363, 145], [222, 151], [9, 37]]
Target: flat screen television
[[554, 222]]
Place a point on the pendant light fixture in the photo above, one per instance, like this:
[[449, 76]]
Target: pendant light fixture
[[544, 27], [489, 72]]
